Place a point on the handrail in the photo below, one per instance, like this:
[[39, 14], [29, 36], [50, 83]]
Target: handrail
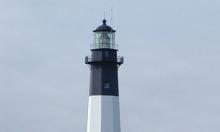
[[120, 60]]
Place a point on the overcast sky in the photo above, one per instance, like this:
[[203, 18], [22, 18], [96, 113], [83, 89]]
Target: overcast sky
[[170, 81]]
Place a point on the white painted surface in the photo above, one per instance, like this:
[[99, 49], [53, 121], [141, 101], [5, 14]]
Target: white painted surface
[[103, 114]]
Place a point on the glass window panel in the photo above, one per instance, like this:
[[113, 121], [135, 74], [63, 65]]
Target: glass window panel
[[104, 40]]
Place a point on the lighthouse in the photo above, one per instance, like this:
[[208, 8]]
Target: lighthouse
[[103, 109]]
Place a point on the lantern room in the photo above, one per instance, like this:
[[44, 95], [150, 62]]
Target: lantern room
[[104, 37]]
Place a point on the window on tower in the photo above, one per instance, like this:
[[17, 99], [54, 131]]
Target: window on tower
[[106, 85]]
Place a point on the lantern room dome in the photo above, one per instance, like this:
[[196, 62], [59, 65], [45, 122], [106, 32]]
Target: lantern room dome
[[104, 27]]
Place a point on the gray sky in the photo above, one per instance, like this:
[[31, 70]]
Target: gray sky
[[169, 82]]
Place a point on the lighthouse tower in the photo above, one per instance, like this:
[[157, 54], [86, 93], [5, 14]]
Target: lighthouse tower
[[103, 110]]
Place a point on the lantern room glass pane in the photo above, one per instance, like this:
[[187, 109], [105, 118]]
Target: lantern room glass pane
[[104, 40]]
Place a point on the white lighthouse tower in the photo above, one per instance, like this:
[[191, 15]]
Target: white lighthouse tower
[[103, 110]]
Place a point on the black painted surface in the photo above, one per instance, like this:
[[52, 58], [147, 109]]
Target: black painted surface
[[104, 27], [104, 72]]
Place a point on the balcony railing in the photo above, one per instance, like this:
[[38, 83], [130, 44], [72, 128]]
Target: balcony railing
[[88, 59], [119, 61]]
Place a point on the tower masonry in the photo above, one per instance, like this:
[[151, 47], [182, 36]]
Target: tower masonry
[[103, 109]]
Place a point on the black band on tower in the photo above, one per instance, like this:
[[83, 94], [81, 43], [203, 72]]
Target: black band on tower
[[104, 72]]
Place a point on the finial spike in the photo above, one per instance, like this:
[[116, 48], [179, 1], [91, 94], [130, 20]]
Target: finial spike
[[112, 16], [104, 22]]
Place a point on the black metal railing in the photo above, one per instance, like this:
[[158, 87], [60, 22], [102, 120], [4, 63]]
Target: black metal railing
[[119, 60]]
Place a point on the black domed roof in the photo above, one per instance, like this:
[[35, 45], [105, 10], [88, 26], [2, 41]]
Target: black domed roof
[[104, 27]]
